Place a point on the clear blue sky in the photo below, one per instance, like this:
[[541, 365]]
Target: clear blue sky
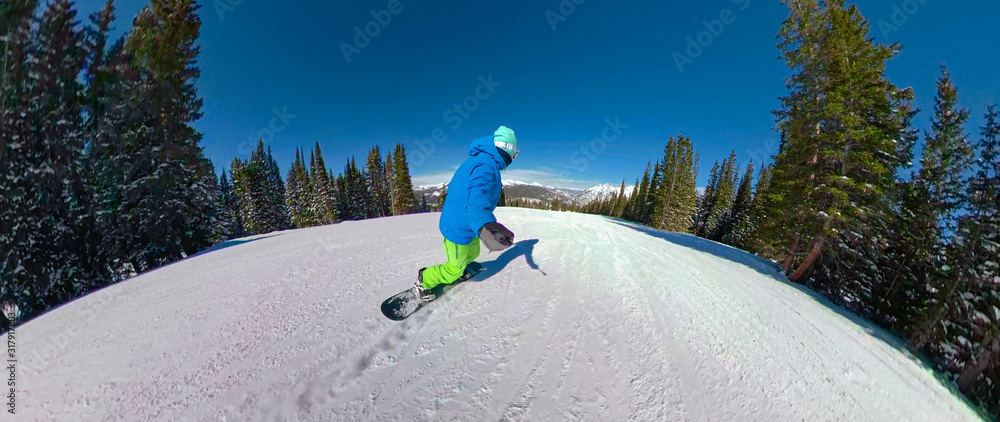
[[557, 83]]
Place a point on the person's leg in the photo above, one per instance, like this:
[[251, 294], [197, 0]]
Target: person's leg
[[472, 251], [458, 257]]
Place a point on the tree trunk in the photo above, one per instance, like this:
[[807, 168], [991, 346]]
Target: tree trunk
[[817, 246], [791, 254], [925, 334], [972, 372]]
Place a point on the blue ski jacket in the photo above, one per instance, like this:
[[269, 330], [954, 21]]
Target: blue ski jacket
[[473, 193]]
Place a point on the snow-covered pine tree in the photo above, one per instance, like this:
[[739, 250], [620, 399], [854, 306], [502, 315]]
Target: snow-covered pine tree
[[896, 271], [836, 170], [161, 210], [232, 223], [677, 196], [686, 192], [752, 242], [378, 186], [324, 205], [947, 155], [295, 191], [973, 341], [248, 185], [404, 186], [276, 194], [260, 192], [665, 182], [734, 228], [706, 203], [42, 143], [390, 181], [349, 186], [723, 195], [651, 204]]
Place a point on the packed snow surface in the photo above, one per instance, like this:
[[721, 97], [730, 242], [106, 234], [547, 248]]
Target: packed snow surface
[[586, 318]]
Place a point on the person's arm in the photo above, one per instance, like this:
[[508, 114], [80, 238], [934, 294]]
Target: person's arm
[[480, 210]]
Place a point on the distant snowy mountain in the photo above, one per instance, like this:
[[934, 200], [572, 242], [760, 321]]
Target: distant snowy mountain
[[507, 183], [601, 192], [516, 189]]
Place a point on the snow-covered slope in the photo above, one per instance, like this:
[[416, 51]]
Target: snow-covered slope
[[585, 318]]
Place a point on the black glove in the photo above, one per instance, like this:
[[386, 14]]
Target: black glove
[[496, 237]]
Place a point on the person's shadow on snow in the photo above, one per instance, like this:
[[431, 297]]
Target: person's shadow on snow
[[492, 268]]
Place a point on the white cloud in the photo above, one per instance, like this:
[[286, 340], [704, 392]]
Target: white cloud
[[431, 179], [540, 176]]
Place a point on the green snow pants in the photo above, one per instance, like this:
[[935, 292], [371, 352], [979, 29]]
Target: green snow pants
[[458, 257]]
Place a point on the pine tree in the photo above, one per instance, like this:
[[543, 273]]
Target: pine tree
[[157, 189], [975, 316], [839, 124], [628, 212], [275, 188], [379, 188], [639, 198], [703, 213], [752, 225], [502, 202], [651, 203], [322, 201], [724, 197], [734, 229], [298, 191], [685, 196], [232, 224], [260, 192], [390, 178], [947, 154], [353, 193], [42, 132], [620, 200], [665, 184], [444, 194], [403, 193]]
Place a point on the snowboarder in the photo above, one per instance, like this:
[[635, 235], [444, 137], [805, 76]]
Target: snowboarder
[[467, 217]]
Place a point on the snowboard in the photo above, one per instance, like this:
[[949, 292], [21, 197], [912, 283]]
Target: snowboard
[[403, 304]]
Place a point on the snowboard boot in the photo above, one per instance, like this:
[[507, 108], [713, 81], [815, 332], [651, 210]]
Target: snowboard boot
[[425, 295], [471, 270]]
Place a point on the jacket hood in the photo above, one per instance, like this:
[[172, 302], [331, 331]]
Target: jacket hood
[[485, 145]]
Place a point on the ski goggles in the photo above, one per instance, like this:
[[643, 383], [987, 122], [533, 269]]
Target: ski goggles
[[508, 147]]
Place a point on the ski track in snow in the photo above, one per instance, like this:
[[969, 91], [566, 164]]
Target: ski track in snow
[[613, 324]]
